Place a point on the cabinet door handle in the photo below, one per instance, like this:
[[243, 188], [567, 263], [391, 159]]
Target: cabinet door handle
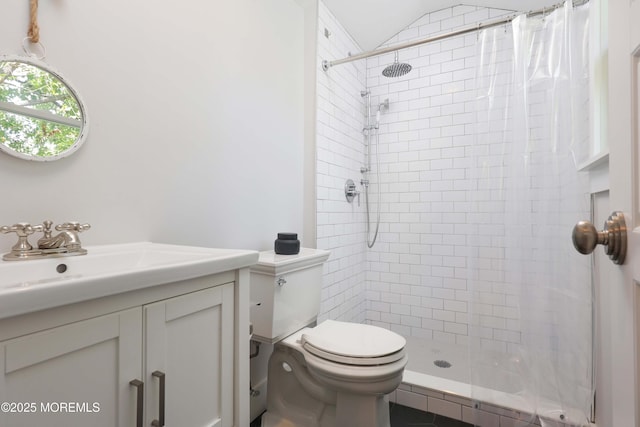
[[139, 385], [160, 421]]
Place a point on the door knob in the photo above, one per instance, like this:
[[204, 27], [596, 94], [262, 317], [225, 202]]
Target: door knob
[[613, 237]]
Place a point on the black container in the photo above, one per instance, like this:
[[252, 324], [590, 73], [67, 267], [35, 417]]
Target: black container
[[287, 244]]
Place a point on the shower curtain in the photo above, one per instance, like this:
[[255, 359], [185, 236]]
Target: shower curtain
[[530, 292]]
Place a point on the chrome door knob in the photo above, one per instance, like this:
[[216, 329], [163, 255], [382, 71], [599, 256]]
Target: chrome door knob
[[613, 237]]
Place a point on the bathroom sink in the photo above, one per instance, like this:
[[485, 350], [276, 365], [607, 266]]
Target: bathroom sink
[[27, 286]]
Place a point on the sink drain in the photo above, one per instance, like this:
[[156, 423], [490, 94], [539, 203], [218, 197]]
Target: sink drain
[[442, 364]]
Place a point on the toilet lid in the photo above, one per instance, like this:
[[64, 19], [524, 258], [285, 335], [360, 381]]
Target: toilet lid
[[354, 343]]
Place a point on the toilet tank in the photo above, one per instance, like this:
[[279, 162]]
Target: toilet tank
[[285, 293]]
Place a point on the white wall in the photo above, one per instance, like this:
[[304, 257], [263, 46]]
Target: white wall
[[340, 154], [196, 121]]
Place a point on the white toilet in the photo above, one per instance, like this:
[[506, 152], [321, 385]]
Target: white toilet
[[335, 374]]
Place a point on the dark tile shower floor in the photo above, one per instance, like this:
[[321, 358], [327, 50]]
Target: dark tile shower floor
[[402, 416]]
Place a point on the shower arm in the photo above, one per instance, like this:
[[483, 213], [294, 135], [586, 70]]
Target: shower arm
[[470, 29]]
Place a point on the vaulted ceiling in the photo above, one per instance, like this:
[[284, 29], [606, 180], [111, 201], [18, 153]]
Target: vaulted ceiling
[[372, 22]]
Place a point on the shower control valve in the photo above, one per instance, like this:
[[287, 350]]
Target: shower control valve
[[350, 191]]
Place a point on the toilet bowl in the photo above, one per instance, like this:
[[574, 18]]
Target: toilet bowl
[[334, 374]]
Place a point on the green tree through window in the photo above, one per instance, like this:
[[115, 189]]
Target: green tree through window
[[39, 115]]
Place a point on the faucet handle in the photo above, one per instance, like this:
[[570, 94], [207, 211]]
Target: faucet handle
[[23, 230], [73, 226]]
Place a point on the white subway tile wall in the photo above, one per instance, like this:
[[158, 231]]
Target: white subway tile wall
[[340, 154], [413, 281], [416, 283]]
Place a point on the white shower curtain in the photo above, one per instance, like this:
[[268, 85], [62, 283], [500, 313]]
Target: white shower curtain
[[530, 292]]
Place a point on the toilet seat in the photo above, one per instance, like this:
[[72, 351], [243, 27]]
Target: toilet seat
[[353, 343]]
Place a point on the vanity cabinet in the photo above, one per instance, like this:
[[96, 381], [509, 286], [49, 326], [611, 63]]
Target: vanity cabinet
[[178, 351]]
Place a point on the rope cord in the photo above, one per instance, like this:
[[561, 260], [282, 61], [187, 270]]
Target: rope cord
[[34, 29]]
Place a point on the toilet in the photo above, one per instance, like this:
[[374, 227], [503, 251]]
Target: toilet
[[331, 374]]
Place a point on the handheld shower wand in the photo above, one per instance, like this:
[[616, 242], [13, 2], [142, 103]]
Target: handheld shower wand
[[366, 169], [384, 104]]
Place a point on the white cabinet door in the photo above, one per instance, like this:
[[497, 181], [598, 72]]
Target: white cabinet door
[[190, 339], [73, 375]]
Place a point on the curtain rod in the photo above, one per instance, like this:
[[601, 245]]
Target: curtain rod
[[477, 27]]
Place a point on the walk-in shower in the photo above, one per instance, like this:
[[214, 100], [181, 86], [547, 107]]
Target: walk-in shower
[[466, 193]]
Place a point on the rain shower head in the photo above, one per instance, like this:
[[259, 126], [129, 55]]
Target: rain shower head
[[396, 69]]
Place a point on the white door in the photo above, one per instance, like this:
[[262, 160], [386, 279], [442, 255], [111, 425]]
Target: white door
[[190, 346], [620, 393]]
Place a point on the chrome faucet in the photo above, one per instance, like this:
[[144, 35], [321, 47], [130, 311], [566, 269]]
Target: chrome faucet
[[67, 238], [65, 243]]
